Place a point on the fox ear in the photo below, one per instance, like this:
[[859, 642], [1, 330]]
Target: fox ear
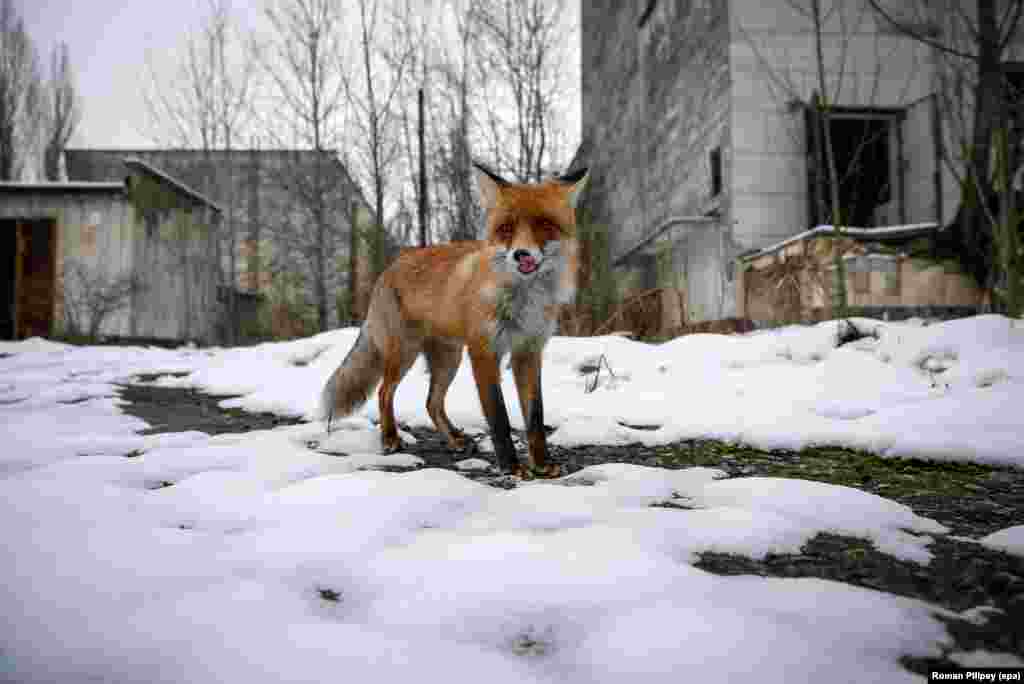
[[490, 183], [578, 179]]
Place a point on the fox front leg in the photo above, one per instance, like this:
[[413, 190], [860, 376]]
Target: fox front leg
[[488, 384], [526, 368]]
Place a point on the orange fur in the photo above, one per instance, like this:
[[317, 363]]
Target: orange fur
[[480, 295]]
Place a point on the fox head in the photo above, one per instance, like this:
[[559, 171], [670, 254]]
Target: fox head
[[531, 226]]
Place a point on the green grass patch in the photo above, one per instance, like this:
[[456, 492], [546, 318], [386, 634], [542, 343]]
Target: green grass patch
[[835, 465]]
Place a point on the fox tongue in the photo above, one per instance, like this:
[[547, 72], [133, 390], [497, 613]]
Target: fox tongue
[[527, 264]]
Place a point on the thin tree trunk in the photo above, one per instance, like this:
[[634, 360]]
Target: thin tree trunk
[[355, 305], [423, 173], [823, 104], [988, 105]]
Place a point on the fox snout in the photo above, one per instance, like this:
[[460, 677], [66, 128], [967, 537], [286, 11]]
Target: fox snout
[[526, 261]]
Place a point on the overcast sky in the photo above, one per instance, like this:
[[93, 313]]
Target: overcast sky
[[108, 40]]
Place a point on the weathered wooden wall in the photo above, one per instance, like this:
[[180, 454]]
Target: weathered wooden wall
[[260, 190], [175, 260], [88, 227], [97, 230]]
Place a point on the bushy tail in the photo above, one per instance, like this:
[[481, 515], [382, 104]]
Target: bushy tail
[[351, 383]]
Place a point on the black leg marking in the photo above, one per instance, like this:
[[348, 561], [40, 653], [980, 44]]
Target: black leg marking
[[501, 432], [536, 420]]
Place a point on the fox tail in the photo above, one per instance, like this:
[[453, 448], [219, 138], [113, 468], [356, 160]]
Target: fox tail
[[351, 383]]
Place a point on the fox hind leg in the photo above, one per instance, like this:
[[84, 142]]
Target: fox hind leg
[[443, 360], [398, 358]]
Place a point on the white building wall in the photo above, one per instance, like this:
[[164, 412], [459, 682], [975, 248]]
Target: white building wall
[[773, 69]]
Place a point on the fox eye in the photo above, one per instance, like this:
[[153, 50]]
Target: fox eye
[[549, 228], [505, 230]]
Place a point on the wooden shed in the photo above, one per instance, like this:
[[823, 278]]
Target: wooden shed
[[135, 259]]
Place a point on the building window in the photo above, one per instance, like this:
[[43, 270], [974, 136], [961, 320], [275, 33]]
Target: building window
[[715, 161], [1013, 92], [866, 148]]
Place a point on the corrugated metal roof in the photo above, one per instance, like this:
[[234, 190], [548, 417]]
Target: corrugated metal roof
[[138, 164]]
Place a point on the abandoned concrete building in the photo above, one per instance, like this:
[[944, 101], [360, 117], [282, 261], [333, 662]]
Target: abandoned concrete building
[[703, 146], [133, 258], [266, 195]]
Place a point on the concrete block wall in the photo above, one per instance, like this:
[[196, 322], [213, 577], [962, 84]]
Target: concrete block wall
[[655, 102], [773, 67]]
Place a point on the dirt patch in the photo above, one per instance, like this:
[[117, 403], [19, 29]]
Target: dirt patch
[[171, 409]]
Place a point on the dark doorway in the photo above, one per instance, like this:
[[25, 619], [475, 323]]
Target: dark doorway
[[27, 278], [8, 252]]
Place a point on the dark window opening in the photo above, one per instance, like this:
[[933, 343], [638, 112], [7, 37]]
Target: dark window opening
[[1013, 90], [715, 159], [865, 149], [1013, 93]]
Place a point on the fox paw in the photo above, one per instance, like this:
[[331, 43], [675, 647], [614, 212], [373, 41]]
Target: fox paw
[[544, 472], [458, 442], [392, 446]]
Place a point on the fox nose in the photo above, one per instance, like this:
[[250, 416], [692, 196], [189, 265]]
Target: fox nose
[[520, 254]]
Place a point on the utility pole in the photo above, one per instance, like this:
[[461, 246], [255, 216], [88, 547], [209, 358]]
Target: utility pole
[[423, 176]]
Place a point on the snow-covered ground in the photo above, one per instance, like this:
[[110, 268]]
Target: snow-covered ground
[[254, 558]]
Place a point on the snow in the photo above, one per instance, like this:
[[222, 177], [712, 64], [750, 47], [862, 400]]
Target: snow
[[1010, 540], [473, 465], [982, 658], [290, 555]]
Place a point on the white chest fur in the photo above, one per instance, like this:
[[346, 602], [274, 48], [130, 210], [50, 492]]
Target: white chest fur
[[525, 312]]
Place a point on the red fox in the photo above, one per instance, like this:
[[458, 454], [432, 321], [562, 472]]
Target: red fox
[[492, 296]]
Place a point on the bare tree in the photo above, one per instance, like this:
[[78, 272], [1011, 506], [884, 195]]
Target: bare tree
[[411, 30], [439, 65], [520, 52], [91, 296], [972, 42], [454, 160], [20, 93], [822, 104], [64, 109], [470, 88], [305, 65], [376, 114], [498, 82], [232, 71], [204, 104]]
